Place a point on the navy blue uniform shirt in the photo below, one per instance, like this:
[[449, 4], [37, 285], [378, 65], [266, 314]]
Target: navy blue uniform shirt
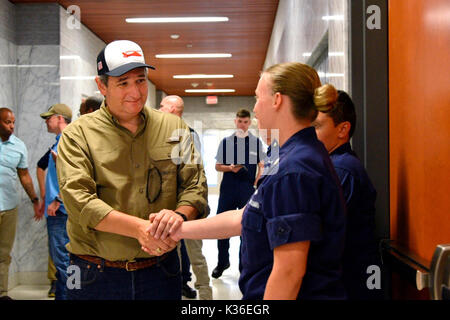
[[301, 201], [246, 151], [360, 248]]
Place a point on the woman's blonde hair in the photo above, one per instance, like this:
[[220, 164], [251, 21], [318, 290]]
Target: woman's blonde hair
[[302, 85]]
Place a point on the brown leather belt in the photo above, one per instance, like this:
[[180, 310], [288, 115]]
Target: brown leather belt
[[127, 265]]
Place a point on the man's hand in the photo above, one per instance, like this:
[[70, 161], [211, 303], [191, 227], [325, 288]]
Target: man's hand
[[38, 208], [235, 167], [52, 208], [151, 245], [164, 223]]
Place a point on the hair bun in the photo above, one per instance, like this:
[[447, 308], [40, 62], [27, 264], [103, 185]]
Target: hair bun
[[325, 97]]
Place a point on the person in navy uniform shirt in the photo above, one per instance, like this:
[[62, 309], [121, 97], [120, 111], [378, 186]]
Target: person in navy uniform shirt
[[293, 226], [239, 158], [334, 129]]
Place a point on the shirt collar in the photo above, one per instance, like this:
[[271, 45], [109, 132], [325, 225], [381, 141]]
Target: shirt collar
[[345, 148], [11, 139], [306, 135]]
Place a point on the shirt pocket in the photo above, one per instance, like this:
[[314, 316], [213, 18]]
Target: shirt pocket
[[252, 219], [10, 160], [162, 174]]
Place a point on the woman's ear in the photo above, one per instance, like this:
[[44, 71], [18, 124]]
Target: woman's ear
[[277, 100]]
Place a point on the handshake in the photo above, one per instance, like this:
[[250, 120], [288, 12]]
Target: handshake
[[161, 233]]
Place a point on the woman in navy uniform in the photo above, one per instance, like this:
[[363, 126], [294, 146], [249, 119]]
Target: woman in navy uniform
[[293, 227], [334, 129]]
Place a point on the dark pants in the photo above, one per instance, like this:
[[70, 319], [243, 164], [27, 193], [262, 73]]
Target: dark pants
[[232, 196], [185, 264], [161, 281], [57, 240]]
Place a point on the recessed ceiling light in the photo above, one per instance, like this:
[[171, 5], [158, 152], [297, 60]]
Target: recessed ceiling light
[[307, 54], [194, 55], [208, 90], [202, 76], [174, 36], [176, 19]]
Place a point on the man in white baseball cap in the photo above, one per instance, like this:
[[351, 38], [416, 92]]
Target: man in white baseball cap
[[114, 169], [119, 57]]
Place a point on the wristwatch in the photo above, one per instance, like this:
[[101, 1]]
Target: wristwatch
[[182, 215], [34, 200]]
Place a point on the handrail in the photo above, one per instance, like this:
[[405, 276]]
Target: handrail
[[434, 275], [414, 268]]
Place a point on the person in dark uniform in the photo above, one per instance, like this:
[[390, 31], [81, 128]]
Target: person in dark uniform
[[293, 226], [334, 129], [238, 157]]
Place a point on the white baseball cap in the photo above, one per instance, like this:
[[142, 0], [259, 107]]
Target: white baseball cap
[[119, 57]]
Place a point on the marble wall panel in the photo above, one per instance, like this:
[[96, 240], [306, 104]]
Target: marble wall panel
[[79, 48], [37, 89]]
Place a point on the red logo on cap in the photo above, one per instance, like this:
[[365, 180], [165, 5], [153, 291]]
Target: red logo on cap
[[131, 53]]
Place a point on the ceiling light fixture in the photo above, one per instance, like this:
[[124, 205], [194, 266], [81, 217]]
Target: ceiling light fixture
[[176, 19], [307, 54], [174, 36], [193, 55], [203, 76], [208, 90]]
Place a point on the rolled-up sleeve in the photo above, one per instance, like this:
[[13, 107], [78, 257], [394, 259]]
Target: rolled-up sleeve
[[291, 207], [294, 228], [77, 186]]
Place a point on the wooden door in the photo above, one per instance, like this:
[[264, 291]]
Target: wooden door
[[419, 128]]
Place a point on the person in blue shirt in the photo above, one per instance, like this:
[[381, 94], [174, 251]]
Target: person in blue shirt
[[293, 226], [13, 165], [334, 129], [57, 118], [239, 158]]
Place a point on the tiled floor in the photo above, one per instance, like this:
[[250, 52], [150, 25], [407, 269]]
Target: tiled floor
[[224, 288]]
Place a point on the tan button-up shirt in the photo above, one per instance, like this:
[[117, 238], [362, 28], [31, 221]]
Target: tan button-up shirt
[[103, 167]]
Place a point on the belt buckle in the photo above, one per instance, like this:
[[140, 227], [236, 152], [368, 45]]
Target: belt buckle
[[128, 268]]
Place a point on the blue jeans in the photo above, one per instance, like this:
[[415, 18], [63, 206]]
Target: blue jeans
[[57, 240], [161, 281]]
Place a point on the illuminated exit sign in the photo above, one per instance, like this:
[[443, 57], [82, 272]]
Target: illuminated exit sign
[[211, 100]]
